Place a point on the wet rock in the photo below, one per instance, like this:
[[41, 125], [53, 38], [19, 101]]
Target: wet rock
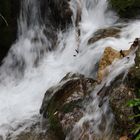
[[135, 73], [35, 136], [63, 104], [119, 94], [1, 138], [104, 33], [31, 136], [33, 132], [109, 56]]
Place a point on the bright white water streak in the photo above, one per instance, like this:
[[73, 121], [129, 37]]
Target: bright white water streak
[[21, 97]]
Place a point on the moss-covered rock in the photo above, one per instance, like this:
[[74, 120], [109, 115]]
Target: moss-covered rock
[[63, 104], [126, 8]]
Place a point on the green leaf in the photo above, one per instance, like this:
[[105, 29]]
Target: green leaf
[[136, 130], [138, 137], [135, 102], [135, 116]]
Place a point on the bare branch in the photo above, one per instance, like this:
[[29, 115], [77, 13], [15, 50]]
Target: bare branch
[[4, 19]]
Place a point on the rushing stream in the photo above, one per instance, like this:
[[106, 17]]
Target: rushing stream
[[31, 66]]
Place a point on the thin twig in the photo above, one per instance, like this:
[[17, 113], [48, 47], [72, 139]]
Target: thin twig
[[4, 19]]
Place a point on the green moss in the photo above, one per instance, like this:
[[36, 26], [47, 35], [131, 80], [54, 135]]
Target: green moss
[[54, 123], [126, 8], [54, 106], [55, 126]]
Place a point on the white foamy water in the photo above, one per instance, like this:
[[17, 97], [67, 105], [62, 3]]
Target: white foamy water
[[24, 80]]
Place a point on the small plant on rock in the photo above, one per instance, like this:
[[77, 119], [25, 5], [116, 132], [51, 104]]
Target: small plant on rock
[[136, 103]]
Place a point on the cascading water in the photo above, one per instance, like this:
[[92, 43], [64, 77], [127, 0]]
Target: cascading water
[[30, 68]]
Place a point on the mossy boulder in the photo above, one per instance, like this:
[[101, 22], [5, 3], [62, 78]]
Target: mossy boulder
[[126, 8], [63, 104]]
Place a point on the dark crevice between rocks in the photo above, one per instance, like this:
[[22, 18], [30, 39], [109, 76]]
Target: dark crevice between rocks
[[10, 11]]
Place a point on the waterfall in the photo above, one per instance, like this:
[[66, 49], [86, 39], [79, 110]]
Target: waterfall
[[32, 66], [29, 16]]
